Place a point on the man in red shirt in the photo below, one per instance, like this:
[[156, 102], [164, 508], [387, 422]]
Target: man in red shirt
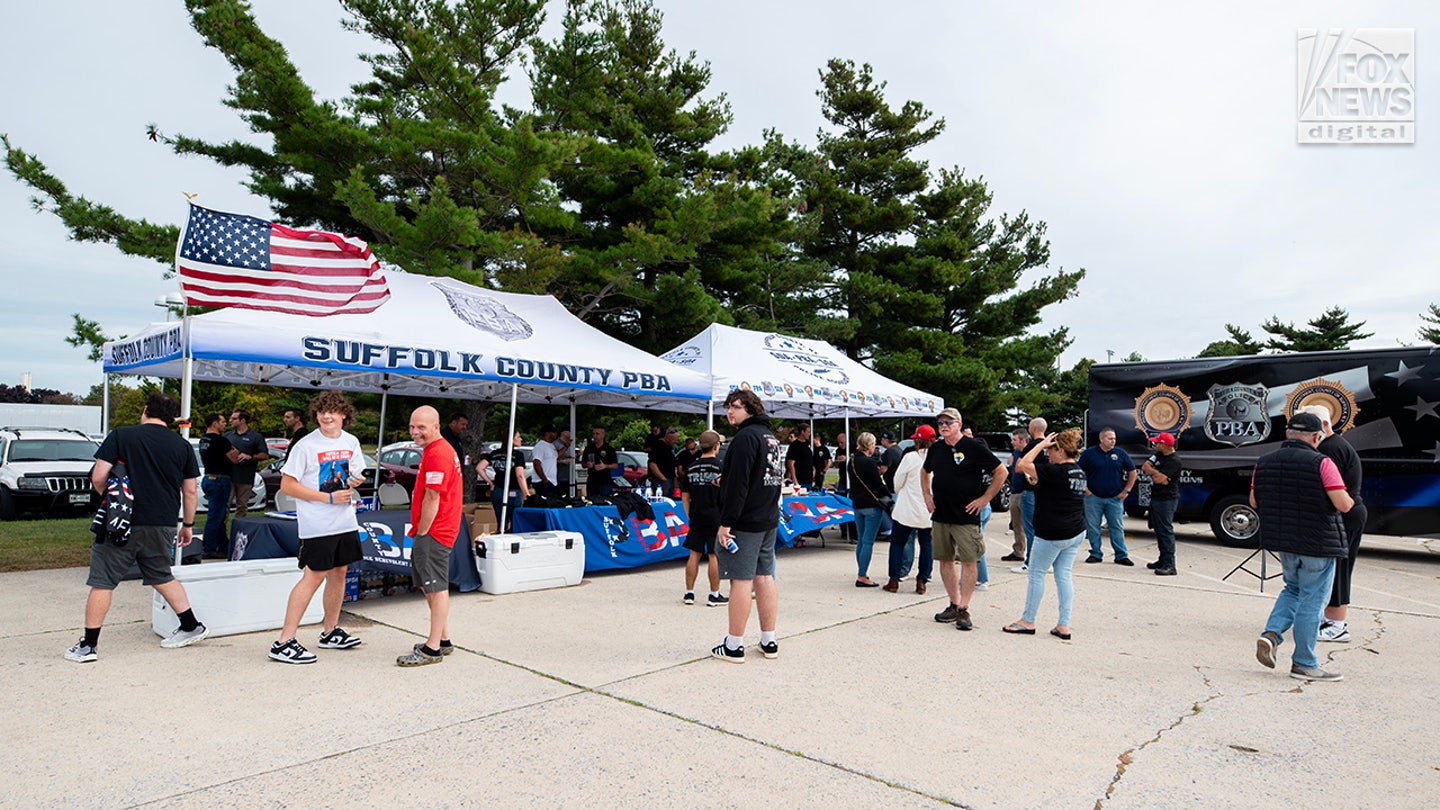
[[434, 525]]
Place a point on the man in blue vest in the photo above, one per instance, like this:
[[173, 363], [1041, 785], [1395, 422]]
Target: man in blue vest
[[1300, 497]]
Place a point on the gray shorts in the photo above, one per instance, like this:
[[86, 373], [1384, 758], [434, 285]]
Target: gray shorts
[[429, 564], [153, 547], [755, 557]]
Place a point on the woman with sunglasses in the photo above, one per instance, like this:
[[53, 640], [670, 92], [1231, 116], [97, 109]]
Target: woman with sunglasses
[[1059, 525]]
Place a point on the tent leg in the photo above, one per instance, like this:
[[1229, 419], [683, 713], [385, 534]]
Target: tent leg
[[105, 407], [510, 451], [574, 440], [380, 434]]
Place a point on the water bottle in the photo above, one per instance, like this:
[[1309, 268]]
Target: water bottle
[[731, 546]]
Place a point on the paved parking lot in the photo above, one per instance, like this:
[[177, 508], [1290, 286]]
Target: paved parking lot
[[602, 695]]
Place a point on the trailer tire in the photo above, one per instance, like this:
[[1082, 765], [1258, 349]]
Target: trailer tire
[[1235, 522]]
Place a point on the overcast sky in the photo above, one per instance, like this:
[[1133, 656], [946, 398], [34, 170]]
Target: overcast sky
[[1157, 141]]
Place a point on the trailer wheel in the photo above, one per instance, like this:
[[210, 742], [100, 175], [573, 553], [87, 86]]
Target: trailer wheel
[[1235, 522]]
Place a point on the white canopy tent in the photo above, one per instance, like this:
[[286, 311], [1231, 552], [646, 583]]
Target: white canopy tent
[[435, 337], [796, 377]]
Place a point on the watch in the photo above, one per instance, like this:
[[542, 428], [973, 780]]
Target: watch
[[187, 525]]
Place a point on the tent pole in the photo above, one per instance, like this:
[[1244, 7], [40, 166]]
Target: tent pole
[[509, 456], [187, 371], [574, 440], [105, 406], [849, 442], [384, 398]]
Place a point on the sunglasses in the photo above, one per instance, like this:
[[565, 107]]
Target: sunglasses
[[944, 422]]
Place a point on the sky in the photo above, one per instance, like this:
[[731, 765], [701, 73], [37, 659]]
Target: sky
[[1158, 143]]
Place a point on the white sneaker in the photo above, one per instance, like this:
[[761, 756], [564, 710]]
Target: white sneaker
[[982, 586], [1334, 631], [1021, 568]]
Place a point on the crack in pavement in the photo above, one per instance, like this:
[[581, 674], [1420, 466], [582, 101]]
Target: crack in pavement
[[1128, 755]]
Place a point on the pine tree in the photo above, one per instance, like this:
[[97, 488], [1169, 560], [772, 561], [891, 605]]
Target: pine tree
[[1240, 343], [1431, 332], [1332, 330]]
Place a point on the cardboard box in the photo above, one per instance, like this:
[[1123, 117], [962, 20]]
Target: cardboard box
[[242, 596], [510, 563], [480, 519]]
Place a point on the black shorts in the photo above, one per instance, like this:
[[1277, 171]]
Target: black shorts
[[701, 538], [329, 551]]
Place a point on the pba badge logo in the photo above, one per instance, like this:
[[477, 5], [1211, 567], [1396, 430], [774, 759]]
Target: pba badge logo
[[799, 354], [1336, 398], [789, 390], [484, 313], [1237, 414], [1163, 409], [683, 356]]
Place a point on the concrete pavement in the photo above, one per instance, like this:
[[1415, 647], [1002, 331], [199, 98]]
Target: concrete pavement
[[602, 695]]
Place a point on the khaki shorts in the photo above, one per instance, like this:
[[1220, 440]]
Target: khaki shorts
[[957, 541]]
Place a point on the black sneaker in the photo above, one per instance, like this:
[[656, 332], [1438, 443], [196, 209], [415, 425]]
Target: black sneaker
[[689, 597], [1165, 572], [1094, 559], [1153, 565], [715, 600], [962, 619], [338, 639], [291, 653], [770, 649], [726, 654], [949, 614], [1124, 561]]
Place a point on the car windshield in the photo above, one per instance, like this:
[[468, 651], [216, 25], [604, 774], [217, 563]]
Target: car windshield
[[52, 450]]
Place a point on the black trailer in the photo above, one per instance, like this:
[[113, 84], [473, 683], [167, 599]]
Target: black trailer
[[1226, 412]]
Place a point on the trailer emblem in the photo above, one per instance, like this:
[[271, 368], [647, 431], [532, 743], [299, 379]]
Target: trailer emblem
[[1336, 398], [1237, 414], [1162, 409]]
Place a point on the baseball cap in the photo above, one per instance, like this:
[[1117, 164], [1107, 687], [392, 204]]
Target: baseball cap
[[888, 435], [924, 432], [672, 431], [1304, 422], [1164, 438]]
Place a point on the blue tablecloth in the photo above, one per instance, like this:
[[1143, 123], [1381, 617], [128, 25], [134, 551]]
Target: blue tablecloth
[[610, 541], [383, 542], [808, 513]]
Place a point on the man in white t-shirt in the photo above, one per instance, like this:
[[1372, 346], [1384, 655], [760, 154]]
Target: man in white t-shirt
[[546, 462], [321, 473]]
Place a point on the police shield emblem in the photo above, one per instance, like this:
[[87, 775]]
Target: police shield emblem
[[1237, 414], [1332, 394], [485, 313], [1162, 409]]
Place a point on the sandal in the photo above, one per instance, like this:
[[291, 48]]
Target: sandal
[[1014, 627], [1056, 633]]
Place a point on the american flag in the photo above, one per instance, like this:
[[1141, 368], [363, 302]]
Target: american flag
[[232, 260]]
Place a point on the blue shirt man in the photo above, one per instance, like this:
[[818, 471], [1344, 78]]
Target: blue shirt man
[[1111, 475]]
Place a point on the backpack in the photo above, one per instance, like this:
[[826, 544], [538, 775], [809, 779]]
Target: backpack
[[117, 507]]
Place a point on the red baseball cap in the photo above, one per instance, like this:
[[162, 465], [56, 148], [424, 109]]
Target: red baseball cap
[[924, 432], [1164, 438]]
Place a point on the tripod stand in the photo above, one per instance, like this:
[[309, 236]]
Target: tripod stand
[[1265, 556]]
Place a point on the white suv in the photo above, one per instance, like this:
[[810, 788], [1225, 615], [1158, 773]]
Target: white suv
[[46, 471]]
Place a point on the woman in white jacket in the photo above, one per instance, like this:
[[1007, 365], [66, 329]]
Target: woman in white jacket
[[911, 518]]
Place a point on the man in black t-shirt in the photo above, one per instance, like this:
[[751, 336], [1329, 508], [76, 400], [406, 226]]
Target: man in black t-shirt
[[821, 465], [889, 458], [700, 493], [662, 462], [162, 473], [686, 456], [294, 419], [599, 459], [800, 459], [219, 459], [1164, 471], [952, 480]]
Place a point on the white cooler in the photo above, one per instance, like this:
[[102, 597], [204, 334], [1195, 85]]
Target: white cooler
[[237, 597], [529, 562]]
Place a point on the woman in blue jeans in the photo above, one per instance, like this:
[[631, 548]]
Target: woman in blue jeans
[[1059, 489], [867, 487]]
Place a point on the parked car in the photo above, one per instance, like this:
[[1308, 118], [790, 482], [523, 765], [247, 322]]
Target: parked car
[[399, 463], [270, 473], [634, 466], [46, 471], [257, 493]]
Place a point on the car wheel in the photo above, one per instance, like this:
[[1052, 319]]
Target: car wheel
[[1235, 522], [7, 505]]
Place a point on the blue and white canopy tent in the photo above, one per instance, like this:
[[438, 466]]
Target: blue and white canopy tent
[[434, 337]]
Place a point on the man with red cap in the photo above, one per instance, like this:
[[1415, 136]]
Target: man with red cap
[[1164, 471]]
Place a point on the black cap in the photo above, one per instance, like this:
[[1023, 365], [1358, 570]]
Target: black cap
[[1305, 422], [887, 435]]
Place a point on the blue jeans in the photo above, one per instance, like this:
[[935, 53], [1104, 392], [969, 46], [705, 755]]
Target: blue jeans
[[902, 540], [1027, 517], [1307, 589], [217, 508], [867, 524], [1162, 514], [1061, 555], [498, 501], [984, 572], [1113, 511]]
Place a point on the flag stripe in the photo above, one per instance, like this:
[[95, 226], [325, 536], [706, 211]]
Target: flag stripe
[[235, 260]]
